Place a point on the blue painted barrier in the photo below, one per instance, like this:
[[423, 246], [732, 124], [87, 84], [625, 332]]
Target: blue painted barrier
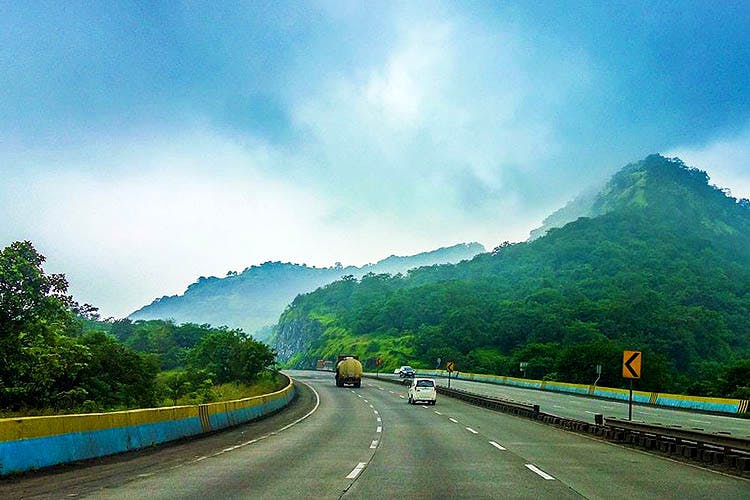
[[35, 442]]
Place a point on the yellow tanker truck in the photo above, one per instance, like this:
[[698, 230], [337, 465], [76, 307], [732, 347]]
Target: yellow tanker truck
[[348, 371]]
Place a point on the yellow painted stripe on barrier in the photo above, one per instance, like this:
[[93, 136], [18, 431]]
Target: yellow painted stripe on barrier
[[239, 404], [13, 429], [653, 397], [701, 399], [32, 427]]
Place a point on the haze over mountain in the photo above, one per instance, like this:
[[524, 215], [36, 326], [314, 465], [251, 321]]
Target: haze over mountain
[[254, 299], [660, 263]]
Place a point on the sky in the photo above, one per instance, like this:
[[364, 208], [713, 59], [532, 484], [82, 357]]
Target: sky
[[145, 144]]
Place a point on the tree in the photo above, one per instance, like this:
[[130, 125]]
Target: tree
[[250, 359], [214, 353], [35, 312]]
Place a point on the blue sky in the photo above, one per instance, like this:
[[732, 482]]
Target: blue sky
[[143, 144]]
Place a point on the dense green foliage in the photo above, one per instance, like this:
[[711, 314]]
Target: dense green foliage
[[254, 298], [48, 360], [57, 356], [661, 265]]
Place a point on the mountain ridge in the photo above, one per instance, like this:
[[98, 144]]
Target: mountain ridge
[[254, 298]]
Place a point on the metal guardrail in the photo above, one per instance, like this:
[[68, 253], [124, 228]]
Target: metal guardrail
[[718, 450], [714, 449], [719, 440]]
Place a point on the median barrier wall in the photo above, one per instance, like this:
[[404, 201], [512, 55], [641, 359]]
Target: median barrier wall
[[714, 405], [35, 442]]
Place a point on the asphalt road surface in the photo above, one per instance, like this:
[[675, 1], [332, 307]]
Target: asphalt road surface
[[583, 408], [369, 443]]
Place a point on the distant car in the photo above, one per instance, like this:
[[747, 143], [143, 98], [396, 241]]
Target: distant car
[[406, 371], [422, 389]]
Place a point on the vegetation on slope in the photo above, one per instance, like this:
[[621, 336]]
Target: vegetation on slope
[[662, 266]]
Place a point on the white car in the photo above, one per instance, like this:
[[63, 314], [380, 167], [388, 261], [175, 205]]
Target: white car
[[422, 389]]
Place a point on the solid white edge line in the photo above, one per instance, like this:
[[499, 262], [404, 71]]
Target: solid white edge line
[[471, 430], [315, 408], [497, 446], [357, 470], [537, 470]]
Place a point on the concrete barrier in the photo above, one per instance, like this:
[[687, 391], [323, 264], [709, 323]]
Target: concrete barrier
[[35, 442], [713, 405]]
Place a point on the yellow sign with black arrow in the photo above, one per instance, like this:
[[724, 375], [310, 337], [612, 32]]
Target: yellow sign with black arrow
[[631, 364]]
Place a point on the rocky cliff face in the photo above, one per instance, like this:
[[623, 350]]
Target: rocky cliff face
[[293, 339]]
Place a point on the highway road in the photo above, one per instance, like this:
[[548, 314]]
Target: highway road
[[584, 408], [369, 443]]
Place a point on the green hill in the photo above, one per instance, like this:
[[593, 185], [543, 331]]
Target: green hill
[[661, 263], [253, 299]]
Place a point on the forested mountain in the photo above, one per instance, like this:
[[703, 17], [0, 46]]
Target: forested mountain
[[661, 265], [253, 299]]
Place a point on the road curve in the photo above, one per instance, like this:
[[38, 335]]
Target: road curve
[[369, 443]]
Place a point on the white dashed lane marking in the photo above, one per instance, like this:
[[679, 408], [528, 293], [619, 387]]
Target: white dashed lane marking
[[379, 429], [357, 470], [453, 420], [438, 412], [471, 430], [540, 472], [374, 444], [497, 446]]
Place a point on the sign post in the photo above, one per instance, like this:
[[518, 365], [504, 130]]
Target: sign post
[[598, 374], [631, 369], [523, 366], [449, 367]]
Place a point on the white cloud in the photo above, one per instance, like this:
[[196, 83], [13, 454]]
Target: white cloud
[[413, 153], [725, 160], [125, 237], [450, 103]]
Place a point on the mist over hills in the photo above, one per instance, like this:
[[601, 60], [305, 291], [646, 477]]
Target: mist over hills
[[658, 260], [254, 299]]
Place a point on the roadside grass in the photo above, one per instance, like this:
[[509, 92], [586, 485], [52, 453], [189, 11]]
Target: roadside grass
[[266, 383]]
